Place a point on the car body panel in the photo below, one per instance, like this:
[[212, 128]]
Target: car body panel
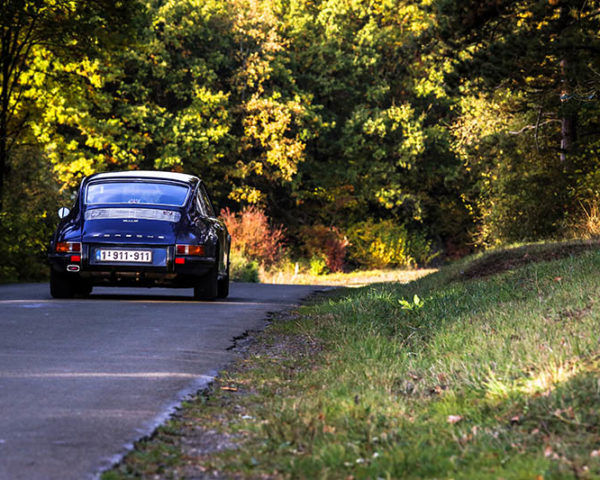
[[135, 243]]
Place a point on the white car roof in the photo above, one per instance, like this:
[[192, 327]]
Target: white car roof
[[146, 174]]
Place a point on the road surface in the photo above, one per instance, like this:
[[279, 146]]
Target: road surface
[[82, 379]]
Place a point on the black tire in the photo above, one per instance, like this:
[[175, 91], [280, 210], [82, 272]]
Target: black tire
[[223, 285], [207, 287], [62, 285], [84, 289]]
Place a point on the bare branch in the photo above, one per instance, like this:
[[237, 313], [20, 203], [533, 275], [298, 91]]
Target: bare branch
[[537, 127], [532, 127]]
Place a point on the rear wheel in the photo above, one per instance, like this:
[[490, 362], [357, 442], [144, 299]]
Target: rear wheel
[[84, 289], [223, 285], [207, 287], [62, 285]]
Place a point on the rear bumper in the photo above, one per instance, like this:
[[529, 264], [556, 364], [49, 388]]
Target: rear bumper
[[166, 269]]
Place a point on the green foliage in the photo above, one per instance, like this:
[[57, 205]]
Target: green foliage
[[387, 244], [416, 303], [526, 69], [473, 123], [241, 269], [318, 265], [159, 105], [519, 192], [379, 151], [38, 42], [29, 217]]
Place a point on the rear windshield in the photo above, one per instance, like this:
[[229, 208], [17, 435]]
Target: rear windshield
[[136, 193]]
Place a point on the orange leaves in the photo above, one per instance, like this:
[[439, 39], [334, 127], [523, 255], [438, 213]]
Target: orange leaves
[[253, 236]]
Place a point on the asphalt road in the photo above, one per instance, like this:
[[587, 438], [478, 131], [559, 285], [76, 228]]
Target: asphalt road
[[82, 379]]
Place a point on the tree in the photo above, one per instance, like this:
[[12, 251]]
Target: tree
[[379, 148], [548, 50], [530, 70], [64, 28]]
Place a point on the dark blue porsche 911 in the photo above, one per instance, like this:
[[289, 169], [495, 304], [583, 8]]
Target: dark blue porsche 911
[[140, 228]]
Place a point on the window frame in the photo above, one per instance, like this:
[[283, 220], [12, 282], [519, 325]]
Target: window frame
[[144, 181]]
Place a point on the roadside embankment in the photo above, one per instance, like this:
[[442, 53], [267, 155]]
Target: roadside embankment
[[489, 368]]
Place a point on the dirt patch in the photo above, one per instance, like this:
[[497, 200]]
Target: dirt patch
[[200, 437], [510, 259]]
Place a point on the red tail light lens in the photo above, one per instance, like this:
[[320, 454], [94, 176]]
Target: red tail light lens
[[190, 250], [68, 247]]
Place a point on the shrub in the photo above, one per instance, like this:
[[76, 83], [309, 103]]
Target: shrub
[[243, 270], [385, 244], [253, 238], [326, 243], [318, 265]]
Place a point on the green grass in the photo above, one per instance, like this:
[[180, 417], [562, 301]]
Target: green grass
[[490, 377]]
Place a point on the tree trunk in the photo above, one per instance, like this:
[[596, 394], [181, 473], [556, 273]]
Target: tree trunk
[[3, 138], [568, 121], [3, 162], [568, 133]]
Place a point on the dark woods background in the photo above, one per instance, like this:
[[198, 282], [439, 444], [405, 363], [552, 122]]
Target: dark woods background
[[366, 133]]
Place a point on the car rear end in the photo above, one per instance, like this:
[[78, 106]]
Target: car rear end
[[134, 232]]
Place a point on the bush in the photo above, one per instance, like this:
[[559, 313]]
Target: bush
[[253, 238], [387, 244], [242, 269], [318, 265], [326, 244]]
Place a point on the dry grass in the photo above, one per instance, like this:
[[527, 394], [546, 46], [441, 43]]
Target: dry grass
[[587, 223], [354, 279]]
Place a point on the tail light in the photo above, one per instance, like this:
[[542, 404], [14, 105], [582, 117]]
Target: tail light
[[68, 247], [189, 250]]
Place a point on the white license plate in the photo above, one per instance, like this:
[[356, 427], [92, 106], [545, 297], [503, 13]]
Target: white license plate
[[130, 256]]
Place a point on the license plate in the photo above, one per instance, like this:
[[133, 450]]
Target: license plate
[[129, 256]]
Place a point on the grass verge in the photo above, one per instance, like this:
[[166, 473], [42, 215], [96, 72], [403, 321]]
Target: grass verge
[[455, 375]]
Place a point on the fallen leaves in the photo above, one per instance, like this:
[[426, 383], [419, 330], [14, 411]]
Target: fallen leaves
[[549, 453], [453, 419]]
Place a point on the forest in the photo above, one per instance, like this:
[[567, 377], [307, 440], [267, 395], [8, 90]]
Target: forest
[[362, 133]]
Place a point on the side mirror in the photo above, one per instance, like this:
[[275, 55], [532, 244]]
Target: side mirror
[[63, 212]]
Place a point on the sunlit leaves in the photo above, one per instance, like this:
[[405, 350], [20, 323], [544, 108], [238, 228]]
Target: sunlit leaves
[[424, 113], [526, 113], [269, 124]]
